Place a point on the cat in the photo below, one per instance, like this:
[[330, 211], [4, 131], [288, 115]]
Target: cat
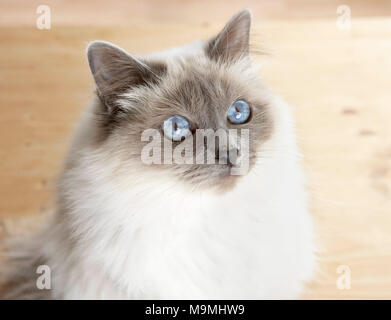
[[126, 229]]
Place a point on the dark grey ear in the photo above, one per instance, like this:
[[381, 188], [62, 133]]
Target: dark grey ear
[[233, 41], [115, 70]]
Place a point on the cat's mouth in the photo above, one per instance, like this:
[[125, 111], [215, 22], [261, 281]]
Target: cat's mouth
[[222, 177]]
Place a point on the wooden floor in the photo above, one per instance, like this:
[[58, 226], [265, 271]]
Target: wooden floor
[[338, 82]]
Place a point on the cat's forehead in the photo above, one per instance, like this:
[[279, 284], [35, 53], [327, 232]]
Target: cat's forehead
[[201, 83], [195, 87]]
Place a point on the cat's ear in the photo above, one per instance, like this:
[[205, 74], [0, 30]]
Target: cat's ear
[[115, 70], [232, 42]]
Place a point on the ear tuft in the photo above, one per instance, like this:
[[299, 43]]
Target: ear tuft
[[233, 41]]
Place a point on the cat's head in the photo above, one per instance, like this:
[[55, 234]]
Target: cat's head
[[151, 108]]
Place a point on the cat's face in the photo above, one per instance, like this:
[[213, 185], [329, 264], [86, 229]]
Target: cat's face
[[165, 101]]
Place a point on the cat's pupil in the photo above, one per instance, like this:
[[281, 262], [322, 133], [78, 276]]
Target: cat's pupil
[[176, 128], [239, 112]]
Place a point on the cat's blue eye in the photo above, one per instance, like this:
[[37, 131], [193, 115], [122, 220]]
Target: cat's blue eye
[[176, 128], [239, 112]]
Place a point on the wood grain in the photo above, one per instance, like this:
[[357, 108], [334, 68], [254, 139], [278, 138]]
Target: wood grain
[[338, 83]]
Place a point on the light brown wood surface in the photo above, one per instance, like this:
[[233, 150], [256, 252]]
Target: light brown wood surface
[[338, 82]]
